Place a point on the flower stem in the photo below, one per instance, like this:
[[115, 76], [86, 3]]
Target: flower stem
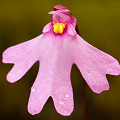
[[84, 91], [85, 101]]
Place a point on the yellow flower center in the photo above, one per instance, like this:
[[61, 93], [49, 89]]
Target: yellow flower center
[[58, 27]]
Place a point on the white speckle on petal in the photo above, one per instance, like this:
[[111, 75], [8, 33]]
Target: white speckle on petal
[[33, 89], [67, 95], [61, 102], [34, 112]]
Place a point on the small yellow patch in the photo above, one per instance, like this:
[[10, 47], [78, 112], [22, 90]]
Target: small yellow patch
[[58, 27]]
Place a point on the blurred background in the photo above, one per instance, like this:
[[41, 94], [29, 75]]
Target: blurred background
[[99, 24]]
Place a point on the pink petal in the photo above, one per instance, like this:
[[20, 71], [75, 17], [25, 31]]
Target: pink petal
[[47, 27], [70, 30], [40, 91], [59, 7], [23, 56], [60, 17], [94, 65], [62, 92], [54, 76]]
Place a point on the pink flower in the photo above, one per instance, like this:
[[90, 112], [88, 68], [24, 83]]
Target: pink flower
[[57, 49]]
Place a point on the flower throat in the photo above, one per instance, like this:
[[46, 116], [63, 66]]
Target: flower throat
[[59, 27]]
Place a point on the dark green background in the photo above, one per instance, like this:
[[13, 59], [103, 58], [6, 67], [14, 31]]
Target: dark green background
[[99, 24]]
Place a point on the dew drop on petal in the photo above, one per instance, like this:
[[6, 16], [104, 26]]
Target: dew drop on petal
[[61, 102]]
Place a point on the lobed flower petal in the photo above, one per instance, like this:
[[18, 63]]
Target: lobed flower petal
[[94, 65], [23, 56], [53, 78], [40, 91]]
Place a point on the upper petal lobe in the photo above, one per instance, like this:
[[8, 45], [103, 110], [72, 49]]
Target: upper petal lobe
[[94, 65], [23, 56]]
